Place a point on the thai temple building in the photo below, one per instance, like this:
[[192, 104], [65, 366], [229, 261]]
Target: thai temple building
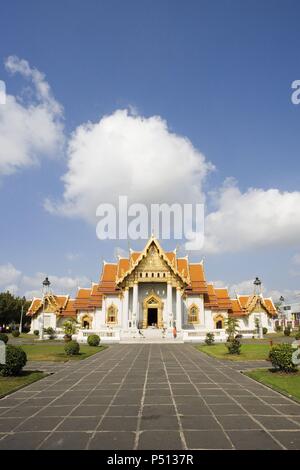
[[149, 293]]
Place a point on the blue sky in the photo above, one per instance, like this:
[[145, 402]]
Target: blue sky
[[219, 73]]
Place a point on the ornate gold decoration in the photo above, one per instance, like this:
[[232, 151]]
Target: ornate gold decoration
[[218, 318], [112, 314], [193, 314], [256, 304], [152, 265], [88, 319], [153, 301]]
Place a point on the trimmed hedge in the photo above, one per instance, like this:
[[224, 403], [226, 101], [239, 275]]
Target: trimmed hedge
[[3, 337], [265, 330], [287, 332], [15, 361], [36, 332], [93, 340], [15, 333], [281, 357], [72, 348]]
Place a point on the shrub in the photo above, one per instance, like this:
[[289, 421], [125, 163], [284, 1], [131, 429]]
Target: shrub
[[297, 335], [36, 332], [72, 348], [15, 361], [280, 356], [93, 340], [210, 339], [15, 333], [3, 337], [265, 330], [278, 328], [69, 327], [234, 346], [50, 331], [287, 332]]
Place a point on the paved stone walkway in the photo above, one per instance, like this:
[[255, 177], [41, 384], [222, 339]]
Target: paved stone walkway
[[148, 397]]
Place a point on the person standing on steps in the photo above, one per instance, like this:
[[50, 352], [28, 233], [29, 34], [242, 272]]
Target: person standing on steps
[[174, 332]]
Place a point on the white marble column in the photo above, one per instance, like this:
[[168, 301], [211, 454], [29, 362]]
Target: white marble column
[[125, 311], [169, 305], [135, 303], [178, 309], [104, 309]]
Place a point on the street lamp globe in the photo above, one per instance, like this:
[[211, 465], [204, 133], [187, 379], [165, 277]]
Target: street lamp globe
[[46, 286], [46, 283]]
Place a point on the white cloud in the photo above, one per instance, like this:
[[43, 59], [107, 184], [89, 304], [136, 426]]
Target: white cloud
[[32, 130], [9, 275], [59, 284], [243, 287], [256, 218], [126, 154], [31, 286], [296, 259], [120, 252], [289, 295], [73, 256]]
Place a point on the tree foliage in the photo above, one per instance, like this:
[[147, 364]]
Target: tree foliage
[[10, 308], [232, 325]]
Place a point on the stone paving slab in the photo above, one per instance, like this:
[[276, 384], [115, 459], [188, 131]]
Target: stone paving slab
[[144, 396]]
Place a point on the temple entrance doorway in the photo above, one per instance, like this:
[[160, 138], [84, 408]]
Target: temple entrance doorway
[[152, 317], [153, 311]]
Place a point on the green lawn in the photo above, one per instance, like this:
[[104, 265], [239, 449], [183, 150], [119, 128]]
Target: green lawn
[[50, 351], [11, 384], [249, 352], [287, 383]]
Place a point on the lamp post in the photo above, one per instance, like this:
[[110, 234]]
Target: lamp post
[[257, 291], [46, 285], [22, 311], [282, 315]]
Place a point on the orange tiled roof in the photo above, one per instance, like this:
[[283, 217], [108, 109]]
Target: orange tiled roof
[[243, 300], [69, 310], [244, 305], [270, 306], [34, 306], [82, 300], [183, 267], [171, 257], [108, 278], [192, 273], [59, 303], [123, 266], [236, 309], [198, 283], [134, 255], [210, 298], [224, 301]]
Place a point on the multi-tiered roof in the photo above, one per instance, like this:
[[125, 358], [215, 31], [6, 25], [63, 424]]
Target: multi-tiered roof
[[191, 274]]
